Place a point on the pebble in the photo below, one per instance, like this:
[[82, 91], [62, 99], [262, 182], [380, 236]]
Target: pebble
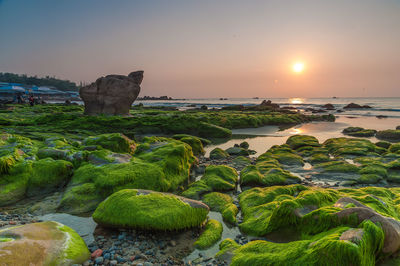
[[99, 260]]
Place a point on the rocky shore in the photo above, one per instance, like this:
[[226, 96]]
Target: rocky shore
[[155, 199]]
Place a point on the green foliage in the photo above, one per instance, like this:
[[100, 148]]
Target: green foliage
[[212, 233], [155, 211]]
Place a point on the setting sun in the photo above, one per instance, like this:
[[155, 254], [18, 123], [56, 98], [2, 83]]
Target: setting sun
[[298, 67]]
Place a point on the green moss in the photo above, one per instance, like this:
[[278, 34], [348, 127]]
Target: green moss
[[195, 143], [319, 158], [325, 249], [218, 153], [383, 144], [283, 154], [204, 141], [47, 175], [236, 151], [298, 141], [150, 210], [80, 199], [212, 233], [208, 130], [75, 249], [389, 134], [359, 132], [222, 203], [115, 142], [395, 148], [349, 146], [215, 178], [338, 167], [13, 185]]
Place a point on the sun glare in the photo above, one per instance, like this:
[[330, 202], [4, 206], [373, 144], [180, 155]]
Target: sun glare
[[298, 67]]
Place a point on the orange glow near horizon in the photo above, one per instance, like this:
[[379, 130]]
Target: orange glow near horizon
[[298, 67]]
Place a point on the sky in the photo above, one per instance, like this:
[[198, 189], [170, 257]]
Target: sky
[[208, 48]]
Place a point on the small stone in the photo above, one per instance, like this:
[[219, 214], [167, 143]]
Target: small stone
[[173, 243], [113, 262], [99, 260], [97, 253]]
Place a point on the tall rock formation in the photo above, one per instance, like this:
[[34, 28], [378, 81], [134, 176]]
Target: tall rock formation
[[112, 94]]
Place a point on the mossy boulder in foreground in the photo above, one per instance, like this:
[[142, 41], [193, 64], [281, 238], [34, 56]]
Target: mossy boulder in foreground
[[159, 164], [46, 243], [145, 209]]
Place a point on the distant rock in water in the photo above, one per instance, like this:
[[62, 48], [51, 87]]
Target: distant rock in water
[[112, 94], [329, 106], [269, 103], [356, 106]]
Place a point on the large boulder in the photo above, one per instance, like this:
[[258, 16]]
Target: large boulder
[[46, 243], [112, 94], [146, 209]]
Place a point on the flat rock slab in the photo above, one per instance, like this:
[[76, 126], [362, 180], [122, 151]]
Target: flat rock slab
[[45, 243]]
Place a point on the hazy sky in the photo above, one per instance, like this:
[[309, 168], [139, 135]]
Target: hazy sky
[[210, 48]]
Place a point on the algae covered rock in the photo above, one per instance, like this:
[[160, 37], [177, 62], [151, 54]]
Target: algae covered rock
[[218, 153], [144, 209], [222, 203], [298, 141], [328, 248], [159, 164], [352, 147], [115, 142], [32, 178], [389, 135], [45, 243], [212, 233], [359, 132], [215, 178]]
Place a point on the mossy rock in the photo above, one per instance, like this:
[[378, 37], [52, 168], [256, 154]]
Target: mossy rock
[[160, 164], [339, 246], [31, 178], [319, 158], [149, 210], [352, 147], [240, 162], [236, 151], [45, 243], [195, 143], [207, 130], [115, 142], [337, 167], [215, 178], [359, 132], [389, 135], [283, 154], [204, 141], [222, 203], [218, 153], [244, 145], [265, 174], [383, 144], [48, 175], [311, 210], [395, 148], [298, 141], [212, 233]]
